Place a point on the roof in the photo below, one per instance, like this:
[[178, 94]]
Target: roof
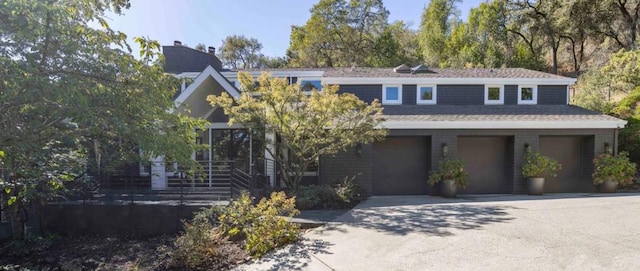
[[179, 59], [442, 73], [496, 117]]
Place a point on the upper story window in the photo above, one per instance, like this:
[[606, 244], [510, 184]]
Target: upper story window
[[493, 94], [426, 94], [392, 94], [309, 85], [527, 95]]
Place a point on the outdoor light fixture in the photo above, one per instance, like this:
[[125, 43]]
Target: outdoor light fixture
[[527, 147], [607, 147], [445, 150], [359, 150]]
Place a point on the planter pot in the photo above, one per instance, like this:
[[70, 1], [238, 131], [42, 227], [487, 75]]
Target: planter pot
[[608, 187], [448, 188], [535, 186]]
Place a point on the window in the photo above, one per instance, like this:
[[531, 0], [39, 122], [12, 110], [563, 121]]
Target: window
[[392, 94], [528, 95], [309, 85], [494, 95], [426, 95]]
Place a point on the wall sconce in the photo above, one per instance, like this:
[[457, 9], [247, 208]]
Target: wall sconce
[[445, 150], [359, 150], [607, 148], [527, 147]]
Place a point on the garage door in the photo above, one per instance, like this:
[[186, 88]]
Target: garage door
[[400, 166], [568, 151], [485, 161]]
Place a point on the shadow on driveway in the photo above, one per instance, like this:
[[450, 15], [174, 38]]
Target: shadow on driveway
[[296, 256]]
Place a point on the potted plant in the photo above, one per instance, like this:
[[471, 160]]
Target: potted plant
[[612, 170], [451, 175], [535, 168]]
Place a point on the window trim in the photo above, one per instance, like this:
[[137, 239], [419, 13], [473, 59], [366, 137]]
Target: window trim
[[434, 95], [391, 102], [534, 90], [500, 101]]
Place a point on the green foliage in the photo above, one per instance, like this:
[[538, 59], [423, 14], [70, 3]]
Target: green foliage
[[594, 92], [239, 52], [450, 169], [263, 226], [202, 246], [437, 23], [344, 194], [339, 33], [308, 125], [537, 165], [616, 168], [74, 101]]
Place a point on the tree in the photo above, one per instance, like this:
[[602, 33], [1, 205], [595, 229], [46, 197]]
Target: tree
[[308, 126], [273, 62], [201, 47], [239, 52], [74, 102], [338, 34], [436, 25], [397, 44]]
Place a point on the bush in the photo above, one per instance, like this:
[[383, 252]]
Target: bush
[[616, 168], [263, 227], [203, 246], [450, 169], [537, 165], [345, 194]]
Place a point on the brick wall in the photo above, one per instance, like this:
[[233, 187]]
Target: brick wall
[[336, 167]]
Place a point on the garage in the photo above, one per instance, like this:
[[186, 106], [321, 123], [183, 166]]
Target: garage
[[401, 165], [568, 151], [485, 160]]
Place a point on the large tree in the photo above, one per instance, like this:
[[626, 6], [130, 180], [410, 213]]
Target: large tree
[[240, 52], [438, 19], [307, 125], [74, 101], [339, 33]]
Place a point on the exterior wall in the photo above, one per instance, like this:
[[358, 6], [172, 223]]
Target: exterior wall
[[460, 94], [347, 164], [409, 94], [366, 93], [511, 94], [552, 94], [337, 167]]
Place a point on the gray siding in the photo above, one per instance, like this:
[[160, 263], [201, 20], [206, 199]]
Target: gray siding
[[552, 94], [460, 94], [366, 93], [409, 94], [348, 164], [510, 94]]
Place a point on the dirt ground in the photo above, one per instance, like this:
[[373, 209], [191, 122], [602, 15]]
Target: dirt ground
[[88, 253]]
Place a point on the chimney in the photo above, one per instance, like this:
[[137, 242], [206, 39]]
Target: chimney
[[177, 43], [212, 50]]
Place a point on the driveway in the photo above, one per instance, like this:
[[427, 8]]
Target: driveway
[[499, 232]]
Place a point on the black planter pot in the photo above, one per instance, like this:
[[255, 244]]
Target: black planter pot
[[448, 188], [535, 186], [608, 187]]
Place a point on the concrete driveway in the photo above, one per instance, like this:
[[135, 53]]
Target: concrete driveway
[[551, 232]]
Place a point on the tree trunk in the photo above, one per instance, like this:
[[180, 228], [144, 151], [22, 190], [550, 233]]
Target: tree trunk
[[17, 222]]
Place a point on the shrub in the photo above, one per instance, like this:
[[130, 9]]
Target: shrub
[[450, 169], [317, 197], [616, 168], [537, 165], [263, 227], [203, 246]]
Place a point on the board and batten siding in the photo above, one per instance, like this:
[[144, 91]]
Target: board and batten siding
[[460, 94]]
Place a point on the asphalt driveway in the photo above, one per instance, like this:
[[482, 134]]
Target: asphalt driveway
[[551, 232]]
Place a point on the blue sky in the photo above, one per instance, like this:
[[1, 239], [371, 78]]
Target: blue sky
[[210, 21]]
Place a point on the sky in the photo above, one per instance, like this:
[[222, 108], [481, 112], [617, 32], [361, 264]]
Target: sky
[[210, 21]]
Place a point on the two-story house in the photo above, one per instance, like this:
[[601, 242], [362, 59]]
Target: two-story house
[[485, 117]]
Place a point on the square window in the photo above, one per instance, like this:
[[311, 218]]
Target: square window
[[392, 94], [426, 94], [494, 94], [526, 94], [311, 85]]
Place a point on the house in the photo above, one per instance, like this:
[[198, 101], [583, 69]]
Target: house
[[485, 117]]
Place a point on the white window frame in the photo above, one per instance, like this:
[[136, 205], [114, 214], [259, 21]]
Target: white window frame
[[434, 94], [302, 79], [384, 94], [534, 90], [486, 94]]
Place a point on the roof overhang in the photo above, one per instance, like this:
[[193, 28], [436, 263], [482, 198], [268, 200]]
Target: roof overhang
[[507, 125], [448, 81], [208, 82]]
